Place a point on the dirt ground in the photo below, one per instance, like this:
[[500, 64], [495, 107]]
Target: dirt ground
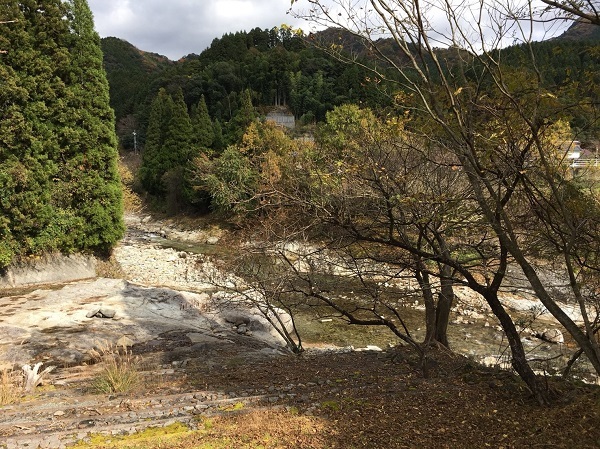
[[347, 400], [375, 400]]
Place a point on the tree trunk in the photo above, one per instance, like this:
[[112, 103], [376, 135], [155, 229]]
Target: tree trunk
[[444, 306], [519, 360], [422, 278], [584, 341], [503, 228]]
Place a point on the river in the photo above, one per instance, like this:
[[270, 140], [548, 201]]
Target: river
[[154, 255]]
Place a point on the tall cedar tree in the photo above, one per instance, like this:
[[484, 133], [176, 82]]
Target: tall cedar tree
[[169, 144], [243, 117], [218, 140], [154, 159], [203, 127], [88, 166], [179, 136], [27, 101], [179, 147], [53, 109]]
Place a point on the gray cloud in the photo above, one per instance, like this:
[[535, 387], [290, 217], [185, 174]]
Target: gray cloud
[[176, 28]]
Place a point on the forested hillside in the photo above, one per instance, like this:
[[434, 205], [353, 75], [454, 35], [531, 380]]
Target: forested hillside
[[276, 66], [130, 73], [245, 74], [59, 185], [282, 68]]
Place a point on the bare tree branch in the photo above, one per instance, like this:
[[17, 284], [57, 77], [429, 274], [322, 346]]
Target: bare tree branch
[[587, 11]]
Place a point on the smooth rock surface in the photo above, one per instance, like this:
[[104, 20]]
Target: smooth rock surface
[[53, 325]]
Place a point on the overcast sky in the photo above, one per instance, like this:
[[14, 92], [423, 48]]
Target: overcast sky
[[176, 28]]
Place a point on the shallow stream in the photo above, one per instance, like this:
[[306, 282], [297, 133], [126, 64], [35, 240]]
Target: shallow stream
[[479, 338]]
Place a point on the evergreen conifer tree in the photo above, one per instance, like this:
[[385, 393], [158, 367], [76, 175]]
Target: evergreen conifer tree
[[203, 127], [218, 140], [88, 165], [243, 117], [179, 134], [44, 126], [179, 149], [154, 160], [169, 147], [32, 93]]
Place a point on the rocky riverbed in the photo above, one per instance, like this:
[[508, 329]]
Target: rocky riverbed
[[170, 287], [161, 254], [168, 313]]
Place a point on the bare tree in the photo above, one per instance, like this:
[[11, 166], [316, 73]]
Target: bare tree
[[262, 286], [400, 207], [493, 119]]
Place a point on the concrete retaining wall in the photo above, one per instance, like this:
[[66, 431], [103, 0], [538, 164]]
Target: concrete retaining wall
[[51, 269]]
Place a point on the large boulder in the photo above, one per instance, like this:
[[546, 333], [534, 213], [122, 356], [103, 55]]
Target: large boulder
[[553, 336]]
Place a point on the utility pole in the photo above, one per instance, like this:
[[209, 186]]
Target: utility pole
[[134, 142]]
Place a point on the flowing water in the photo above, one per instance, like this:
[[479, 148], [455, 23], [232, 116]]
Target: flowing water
[[479, 338]]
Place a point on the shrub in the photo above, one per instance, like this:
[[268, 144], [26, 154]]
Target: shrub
[[10, 386]]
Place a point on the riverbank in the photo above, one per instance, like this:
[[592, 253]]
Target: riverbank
[[165, 253], [203, 371]]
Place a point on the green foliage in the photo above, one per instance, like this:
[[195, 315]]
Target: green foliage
[[204, 134], [170, 147], [218, 139], [242, 178], [131, 74], [57, 142], [154, 159], [90, 149], [280, 68], [178, 137], [230, 180], [344, 127], [242, 74], [275, 65], [242, 119]]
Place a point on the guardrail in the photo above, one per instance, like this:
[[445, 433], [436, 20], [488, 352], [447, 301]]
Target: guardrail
[[580, 163]]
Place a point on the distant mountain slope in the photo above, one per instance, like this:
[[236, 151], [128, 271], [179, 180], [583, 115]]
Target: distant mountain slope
[[130, 71], [580, 31], [280, 69], [277, 66]]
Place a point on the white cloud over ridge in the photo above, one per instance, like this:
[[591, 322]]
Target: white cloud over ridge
[[176, 28]]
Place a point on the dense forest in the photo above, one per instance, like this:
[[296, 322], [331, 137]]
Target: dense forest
[[278, 68], [244, 75]]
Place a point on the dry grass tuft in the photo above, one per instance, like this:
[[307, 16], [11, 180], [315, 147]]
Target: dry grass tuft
[[110, 268], [120, 369], [10, 386]]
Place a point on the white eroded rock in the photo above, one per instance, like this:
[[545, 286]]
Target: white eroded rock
[[553, 336], [52, 324]]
